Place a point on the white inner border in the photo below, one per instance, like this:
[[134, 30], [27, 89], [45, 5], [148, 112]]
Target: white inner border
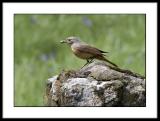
[[150, 111]]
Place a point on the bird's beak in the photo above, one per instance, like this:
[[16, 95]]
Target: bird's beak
[[63, 41]]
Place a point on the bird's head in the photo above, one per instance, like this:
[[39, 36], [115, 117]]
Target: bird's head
[[71, 40]]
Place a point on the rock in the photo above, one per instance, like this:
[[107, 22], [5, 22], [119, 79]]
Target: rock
[[97, 84]]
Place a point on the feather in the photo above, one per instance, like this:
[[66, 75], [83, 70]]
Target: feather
[[84, 48]]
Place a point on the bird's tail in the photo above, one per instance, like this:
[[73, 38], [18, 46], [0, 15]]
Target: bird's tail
[[104, 59]]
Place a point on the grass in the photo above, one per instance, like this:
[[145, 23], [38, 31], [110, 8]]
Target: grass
[[39, 54]]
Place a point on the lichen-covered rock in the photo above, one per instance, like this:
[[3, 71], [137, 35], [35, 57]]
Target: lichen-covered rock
[[96, 85]]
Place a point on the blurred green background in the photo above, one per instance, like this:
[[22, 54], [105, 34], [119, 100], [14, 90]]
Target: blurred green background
[[39, 55]]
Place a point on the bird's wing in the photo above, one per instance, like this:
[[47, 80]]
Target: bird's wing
[[84, 48]]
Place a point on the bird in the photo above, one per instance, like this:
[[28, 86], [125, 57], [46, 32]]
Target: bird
[[85, 51]]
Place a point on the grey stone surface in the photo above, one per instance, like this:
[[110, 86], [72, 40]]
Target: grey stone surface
[[96, 85]]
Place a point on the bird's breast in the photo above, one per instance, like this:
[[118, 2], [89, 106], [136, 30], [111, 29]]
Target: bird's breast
[[77, 51]]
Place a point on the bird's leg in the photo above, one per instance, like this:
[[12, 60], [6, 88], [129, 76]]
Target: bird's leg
[[91, 60], [86, 63]]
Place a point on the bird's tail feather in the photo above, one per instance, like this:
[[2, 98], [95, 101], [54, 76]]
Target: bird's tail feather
[[104, 59]]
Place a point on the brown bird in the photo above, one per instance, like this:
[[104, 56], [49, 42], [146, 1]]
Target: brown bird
[[85, 51]]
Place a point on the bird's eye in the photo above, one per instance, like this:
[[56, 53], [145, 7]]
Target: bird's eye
[[69, 39]]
